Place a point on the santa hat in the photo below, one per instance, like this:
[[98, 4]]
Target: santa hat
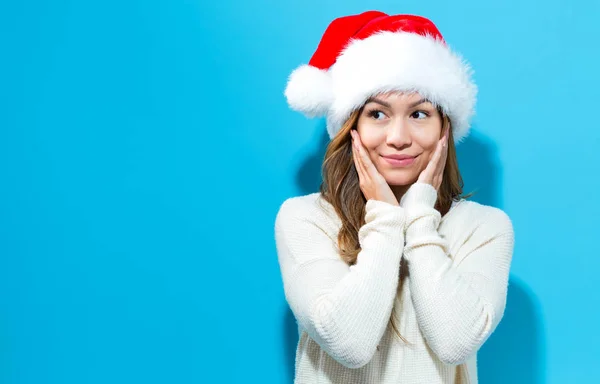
[[368, 53]]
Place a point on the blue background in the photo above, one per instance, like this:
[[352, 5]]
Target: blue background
[[145, 148]]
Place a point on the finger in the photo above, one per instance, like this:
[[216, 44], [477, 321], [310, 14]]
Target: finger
[[445, 154], [442, 159], [357, 163], [437, 154], [366, 160], [437, 159], [359, 158], [429, 171], [445, 148]]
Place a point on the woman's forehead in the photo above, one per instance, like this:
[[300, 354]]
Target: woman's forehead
[[399, 98]]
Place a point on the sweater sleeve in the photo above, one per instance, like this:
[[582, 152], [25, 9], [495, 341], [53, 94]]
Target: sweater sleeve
[[457, 306], [345, 309]]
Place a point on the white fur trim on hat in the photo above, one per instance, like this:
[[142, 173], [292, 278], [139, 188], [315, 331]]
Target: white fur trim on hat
[[402, 61], [309, 91]]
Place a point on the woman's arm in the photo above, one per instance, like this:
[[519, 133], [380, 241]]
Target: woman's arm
[[345, 309], [457, 306]]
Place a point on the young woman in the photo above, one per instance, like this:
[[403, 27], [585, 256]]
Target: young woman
[[392, 275]]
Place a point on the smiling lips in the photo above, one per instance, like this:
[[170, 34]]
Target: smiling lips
[[399, 160]]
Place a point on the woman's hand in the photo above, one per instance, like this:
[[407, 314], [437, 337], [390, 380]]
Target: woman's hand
[[434, 171], [372, 183]]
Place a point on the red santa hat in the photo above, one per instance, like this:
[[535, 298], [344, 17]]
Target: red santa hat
[[369, 53]]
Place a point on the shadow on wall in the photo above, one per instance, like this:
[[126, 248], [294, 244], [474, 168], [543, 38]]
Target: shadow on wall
[[515, 353], [308, 178]]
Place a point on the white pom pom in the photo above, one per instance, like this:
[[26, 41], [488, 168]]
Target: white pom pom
[[309, 90]]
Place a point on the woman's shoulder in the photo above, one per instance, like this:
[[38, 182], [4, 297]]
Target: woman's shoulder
[[479, 214], [311, 207], [299, 205], [300, 201]]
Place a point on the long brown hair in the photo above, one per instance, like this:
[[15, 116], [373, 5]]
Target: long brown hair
[[340, 188]]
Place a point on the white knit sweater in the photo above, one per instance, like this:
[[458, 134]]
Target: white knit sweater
[[445, 280]]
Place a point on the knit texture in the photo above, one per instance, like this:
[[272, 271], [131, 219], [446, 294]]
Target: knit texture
[[444, 279]]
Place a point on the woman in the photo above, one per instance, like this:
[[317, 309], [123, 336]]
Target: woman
[[392, 275]]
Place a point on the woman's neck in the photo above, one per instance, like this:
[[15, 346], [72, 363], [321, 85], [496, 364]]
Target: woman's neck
[[399, 190]]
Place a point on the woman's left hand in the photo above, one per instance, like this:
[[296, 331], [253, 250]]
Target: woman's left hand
[[434, 171]]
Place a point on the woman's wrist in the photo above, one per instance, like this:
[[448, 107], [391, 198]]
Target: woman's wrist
[[419, 194]]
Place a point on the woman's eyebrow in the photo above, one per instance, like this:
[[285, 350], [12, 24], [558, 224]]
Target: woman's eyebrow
[[376, 100], [423, 100], [385, 104]]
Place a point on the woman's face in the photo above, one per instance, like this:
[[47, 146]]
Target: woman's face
[[399, 124]]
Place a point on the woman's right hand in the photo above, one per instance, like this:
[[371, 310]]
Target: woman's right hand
[[372, 183], [434, 172]]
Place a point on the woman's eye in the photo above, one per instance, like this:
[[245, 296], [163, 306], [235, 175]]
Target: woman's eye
[[422, 114], [376, 113]]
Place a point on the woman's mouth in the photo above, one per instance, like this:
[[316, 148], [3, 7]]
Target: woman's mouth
[[399, 162]]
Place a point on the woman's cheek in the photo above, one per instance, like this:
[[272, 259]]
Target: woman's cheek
[[423, 161], [371, 140], [425, 137]]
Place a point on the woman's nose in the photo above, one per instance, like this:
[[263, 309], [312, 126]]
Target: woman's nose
[[398, 134]]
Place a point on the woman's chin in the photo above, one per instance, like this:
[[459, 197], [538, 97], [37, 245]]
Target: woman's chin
[[399, 178]]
